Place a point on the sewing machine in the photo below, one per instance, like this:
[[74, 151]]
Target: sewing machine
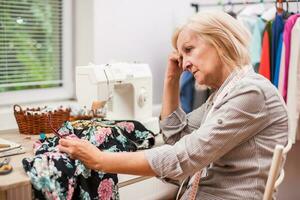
[[126, 88]]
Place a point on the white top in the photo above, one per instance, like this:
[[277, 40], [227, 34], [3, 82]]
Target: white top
[[293, 96]]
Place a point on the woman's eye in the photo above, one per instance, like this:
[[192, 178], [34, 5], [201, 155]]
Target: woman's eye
[[188, 49]]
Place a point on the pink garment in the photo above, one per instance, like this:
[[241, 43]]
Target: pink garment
[[287, 42]]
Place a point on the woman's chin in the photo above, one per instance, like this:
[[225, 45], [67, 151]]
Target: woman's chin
[[200, 86], [198, 79]]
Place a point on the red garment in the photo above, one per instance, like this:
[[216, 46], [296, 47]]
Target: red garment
[[265, 66]]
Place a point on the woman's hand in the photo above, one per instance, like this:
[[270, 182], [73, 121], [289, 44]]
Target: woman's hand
[[174, 67], [82, 150], [170, 100]]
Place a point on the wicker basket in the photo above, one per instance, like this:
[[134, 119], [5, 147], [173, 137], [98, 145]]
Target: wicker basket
[[31, 122]]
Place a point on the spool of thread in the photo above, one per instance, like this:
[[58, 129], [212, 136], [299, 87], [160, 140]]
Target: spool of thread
[[43, 136]]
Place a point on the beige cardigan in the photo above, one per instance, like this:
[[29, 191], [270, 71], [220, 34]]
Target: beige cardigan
[[235, 142]]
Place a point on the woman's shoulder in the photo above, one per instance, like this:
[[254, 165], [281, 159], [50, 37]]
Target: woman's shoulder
[[251, 83], [257, 82], [254, 83]]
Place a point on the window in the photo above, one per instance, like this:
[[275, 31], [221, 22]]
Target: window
[[35, 50]]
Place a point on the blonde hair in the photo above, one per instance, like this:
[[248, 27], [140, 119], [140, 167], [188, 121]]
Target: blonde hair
[[229, 37]]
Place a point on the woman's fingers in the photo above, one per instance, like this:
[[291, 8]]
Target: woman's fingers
[[82, 150], [174, 56], [68, 146], [68, 141], [63, 142], [174, 65], [63, 149]]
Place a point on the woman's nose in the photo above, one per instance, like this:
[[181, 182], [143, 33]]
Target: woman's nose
[[187, 65]]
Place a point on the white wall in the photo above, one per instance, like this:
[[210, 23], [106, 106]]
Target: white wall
[[83, 32]]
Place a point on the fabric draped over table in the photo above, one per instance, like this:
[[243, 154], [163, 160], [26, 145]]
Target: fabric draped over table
[[54, 175]]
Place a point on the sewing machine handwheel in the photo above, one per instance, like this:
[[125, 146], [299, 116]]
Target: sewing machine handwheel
[[142, 97]]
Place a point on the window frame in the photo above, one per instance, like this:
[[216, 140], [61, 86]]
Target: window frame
[[67, 91]]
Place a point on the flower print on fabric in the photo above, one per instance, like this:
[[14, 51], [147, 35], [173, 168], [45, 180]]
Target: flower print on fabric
[[129, 126], [36, 145], [105, 189], [141, 134], [101, 134], [122, 139], [54, 175]]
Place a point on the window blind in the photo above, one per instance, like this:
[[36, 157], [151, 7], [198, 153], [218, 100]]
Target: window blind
[[30, 44]]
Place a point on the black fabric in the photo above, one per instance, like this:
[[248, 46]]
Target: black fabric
[[54, 175]]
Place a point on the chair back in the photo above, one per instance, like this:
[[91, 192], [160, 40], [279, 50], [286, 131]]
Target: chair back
[[276, 176]]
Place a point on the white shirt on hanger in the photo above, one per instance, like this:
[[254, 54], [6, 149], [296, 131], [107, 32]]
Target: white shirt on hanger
[[269, 14], [293, 95], [253, 10]]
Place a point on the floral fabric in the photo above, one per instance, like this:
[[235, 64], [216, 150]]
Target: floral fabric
[[54, 175]]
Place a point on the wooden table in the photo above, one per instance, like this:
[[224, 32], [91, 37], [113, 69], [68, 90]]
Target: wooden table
[[16, 185]]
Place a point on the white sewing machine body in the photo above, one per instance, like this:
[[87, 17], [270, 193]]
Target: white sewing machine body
[[127, 88]]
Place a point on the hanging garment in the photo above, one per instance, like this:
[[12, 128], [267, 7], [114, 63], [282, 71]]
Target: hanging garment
[[269, 14], [249, 16], [293, 94], [255, 26], [278, 61], [265, 61], [277, 29], [54, 175], [187, 82], [248, 21], [287, 42], [281, 70], [252, 10], [256, 42]]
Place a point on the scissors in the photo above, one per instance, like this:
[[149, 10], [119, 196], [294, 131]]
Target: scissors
[[5, 168], [68, 134], [56, 131]]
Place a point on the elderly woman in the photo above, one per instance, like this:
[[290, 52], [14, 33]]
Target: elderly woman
[[232, 135]]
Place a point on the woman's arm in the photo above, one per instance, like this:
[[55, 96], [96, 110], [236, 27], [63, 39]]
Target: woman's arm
[[177, 125], [119, 162], [126, 163], [170, 101]]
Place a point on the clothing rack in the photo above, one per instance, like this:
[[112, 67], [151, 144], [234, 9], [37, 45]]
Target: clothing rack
[[196, 6]]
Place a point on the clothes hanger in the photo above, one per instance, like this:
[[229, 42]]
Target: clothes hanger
[[231, 6], [220, 3], [279, 6], [230, 10], [287, 5]]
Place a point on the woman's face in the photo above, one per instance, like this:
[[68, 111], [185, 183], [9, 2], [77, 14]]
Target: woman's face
[[201, 59]]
